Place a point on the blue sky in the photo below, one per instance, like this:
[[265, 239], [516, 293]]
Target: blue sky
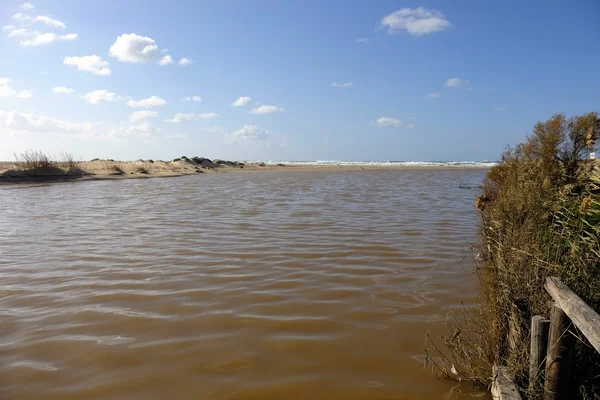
[[323, 80]]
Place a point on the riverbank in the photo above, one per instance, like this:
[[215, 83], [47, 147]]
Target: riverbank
[[97, 169]]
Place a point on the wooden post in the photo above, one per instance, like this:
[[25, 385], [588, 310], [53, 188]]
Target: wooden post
[[582, 315], [559, 356], [539, 342]]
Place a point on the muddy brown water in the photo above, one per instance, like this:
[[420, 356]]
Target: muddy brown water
[[273, 285]]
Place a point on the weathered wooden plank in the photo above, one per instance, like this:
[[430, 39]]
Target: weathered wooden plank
[[502, 386], [560, 355], [582, 315], [539, 342]]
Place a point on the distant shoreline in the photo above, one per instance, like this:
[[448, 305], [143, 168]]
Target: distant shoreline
[[14, 173]]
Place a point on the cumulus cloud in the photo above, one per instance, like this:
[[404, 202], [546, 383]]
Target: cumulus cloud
[[98, 96], [386, 122], [209, 115], [175, 136], [54, 23], [153, 101], [185, 61], [31, 37], [434, 95], [63, 90], [5, 88], [410, 126], [27, 6], [166, 60], [212, 129], [93, 64], [266, 110], [36, 124], [192, 98], [341, 85], [137, 116], [130, 47], [141, 129], [362, 40], [21, 122], [25, 94], [248, 134], [416, 21], [19, 32], [454, 83], [179, 117], [242, 101], [27, 19], [38, 39]]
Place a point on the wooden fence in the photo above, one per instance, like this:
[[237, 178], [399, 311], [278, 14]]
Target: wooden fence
[[552, 343]]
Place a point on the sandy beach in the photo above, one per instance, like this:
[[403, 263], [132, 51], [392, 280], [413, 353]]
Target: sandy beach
[[100, 169]]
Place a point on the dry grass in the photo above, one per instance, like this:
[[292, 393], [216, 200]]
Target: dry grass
[[36, 162], [540, 217]]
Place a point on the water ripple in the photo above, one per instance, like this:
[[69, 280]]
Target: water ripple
[[232, 286]]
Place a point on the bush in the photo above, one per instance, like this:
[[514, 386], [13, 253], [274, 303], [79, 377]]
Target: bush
[[540, 217], [33, 160]]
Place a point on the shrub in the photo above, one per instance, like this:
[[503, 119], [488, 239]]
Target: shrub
[[540, 216], [33, 160]]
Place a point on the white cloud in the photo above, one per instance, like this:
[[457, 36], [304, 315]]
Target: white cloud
[[153, 101], [51, 22], [38, 39], [21, 122], [266, 110], [25, 94], [209, 115], [63, 90], [410, 126], [192, 98], [502, 108], [27, 6], [98, 96], [141, 129], [212, 129], [179, 117], [8, 27], [35, 124], [242, 101], [130, 47], [386, 122], [185, 61], [454, 83], [247, 134], [341, 85], [416, 21], [54, 23], [363, 40], [19, 32], [5, 89], [93, 64], [175, 136], [141, 115], [166, 60], [434, 95]]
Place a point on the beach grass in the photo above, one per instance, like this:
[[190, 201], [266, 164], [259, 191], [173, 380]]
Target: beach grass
[[540, 217]]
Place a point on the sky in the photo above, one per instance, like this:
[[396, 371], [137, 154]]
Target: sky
[[291, 80]]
